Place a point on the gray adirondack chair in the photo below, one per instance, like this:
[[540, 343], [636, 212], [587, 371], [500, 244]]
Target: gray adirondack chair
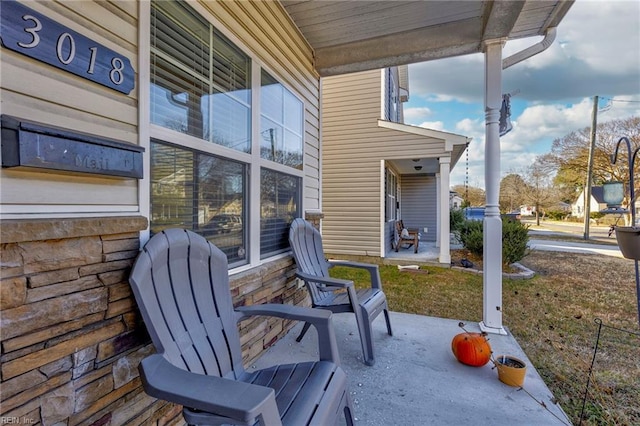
[[181, 284], [313, 269]]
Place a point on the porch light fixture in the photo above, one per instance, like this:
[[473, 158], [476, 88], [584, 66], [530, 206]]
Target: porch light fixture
[[418, 168]]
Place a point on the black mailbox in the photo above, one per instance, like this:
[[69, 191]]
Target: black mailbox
[[27, 144]]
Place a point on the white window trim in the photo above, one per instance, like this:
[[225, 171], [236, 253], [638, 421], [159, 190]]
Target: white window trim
[[148, 131]]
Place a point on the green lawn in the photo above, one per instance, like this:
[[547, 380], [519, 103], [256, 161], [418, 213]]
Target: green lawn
[[552, 316]]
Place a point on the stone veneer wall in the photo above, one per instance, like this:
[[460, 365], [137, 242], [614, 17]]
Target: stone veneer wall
[[71, 336]]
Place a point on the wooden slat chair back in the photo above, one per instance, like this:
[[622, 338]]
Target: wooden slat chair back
[[181, 285], [411, 238], [334, 294]]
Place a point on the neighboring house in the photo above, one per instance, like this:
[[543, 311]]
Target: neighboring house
[[376, 170], [526, 210], [596, 204], [121, 118], [455, 200]]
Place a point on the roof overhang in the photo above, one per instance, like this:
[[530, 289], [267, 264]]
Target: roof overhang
[[453, 144], [349, 36]]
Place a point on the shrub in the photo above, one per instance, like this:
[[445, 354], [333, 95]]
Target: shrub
[[557, 215], [471, 236], [515, 237], [456, 219]]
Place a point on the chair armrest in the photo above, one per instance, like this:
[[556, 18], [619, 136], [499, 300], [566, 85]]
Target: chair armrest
[[241, 401], [319, 318], [336, 283], [374, 272]]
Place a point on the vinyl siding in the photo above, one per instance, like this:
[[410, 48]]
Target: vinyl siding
[[39, 92], [419, 204], [265, 28], [35, 91], [353, 148]]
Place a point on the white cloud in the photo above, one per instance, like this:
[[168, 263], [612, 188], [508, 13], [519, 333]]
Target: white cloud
[[434, 125], [412, 115], [596, 52], [604, 34], [468, 126]]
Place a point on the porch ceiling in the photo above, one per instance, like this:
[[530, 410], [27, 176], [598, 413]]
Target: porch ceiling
[[349, 36]]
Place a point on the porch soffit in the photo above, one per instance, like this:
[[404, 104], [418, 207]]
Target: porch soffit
[[453, 146], [349, 36]]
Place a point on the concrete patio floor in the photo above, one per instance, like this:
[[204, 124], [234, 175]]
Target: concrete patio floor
[[417, 381]]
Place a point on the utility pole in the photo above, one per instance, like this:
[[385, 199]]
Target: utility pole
[[587, 189]]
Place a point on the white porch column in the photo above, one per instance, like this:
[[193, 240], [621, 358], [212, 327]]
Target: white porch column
[[443, 203], [438, 213], [492, 254]]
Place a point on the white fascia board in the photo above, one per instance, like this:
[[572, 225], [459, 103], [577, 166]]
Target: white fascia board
[[450, 139]]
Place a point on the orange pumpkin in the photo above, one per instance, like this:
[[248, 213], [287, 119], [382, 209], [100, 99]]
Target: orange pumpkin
[[471, 349]]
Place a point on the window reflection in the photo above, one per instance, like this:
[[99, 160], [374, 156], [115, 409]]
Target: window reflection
[[280, 124], [202, 193], [200, 81], [279, 205]]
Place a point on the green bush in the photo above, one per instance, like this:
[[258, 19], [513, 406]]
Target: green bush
[[456, 219], [515, 237], [556, 214], [471, 236]]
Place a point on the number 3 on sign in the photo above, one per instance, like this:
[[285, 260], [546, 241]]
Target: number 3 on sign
[[37, 36]]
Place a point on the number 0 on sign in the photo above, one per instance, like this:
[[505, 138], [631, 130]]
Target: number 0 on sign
[[30, 33]]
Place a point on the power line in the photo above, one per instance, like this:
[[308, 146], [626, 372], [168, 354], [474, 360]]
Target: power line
[[622, 100]]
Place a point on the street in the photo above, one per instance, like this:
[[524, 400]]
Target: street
[[599, 242]]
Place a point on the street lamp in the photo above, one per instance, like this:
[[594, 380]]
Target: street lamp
[[628, 237]]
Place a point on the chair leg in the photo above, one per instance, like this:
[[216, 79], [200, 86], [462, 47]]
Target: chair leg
[[366, 337], [364, 328], [303, 332], [386, 317], [348, 411]]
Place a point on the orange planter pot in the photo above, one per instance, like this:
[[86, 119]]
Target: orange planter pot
[[511, 370]]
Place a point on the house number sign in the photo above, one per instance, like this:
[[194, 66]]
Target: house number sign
[[30, 33]]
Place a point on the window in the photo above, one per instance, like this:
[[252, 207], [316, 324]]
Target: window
[[392, 112], [200, 81], [200, 97], [391, 181], [200, 192], [279, 205], [280, 123]]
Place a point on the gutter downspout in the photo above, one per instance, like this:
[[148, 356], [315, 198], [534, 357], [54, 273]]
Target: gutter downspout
[[541, 46], [492, 224]]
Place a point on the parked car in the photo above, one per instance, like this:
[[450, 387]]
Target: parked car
[[224, 224], [514, 216]]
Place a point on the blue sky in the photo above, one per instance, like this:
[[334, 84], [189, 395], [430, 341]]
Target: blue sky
[[596, 52]]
